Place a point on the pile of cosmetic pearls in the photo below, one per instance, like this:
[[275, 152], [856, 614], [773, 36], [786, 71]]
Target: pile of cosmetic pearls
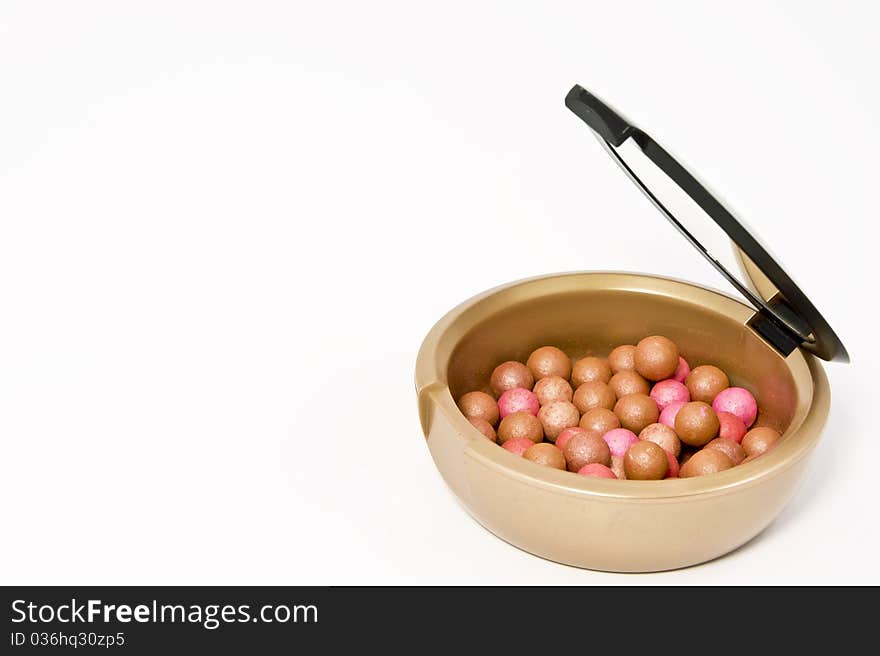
[[641, 413]]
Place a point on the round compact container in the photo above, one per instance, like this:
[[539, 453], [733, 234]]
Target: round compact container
[[768, 345]]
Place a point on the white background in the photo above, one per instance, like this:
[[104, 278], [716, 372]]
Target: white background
[[225, 229]]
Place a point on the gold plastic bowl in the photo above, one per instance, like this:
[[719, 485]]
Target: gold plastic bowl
[[623, 526]]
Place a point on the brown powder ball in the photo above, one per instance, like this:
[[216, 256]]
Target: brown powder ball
[[623, 358], [584, 448], [656, 357], [599, 420], [552, 388], [663, 436], [520, 424], [593, 395], [636, 411], [549, 361], [484, 427], [625, 383], [703, 462], [479, 405], [759, 441], [509, 375], [617, 467], [704, 383], [556, 417], [546, 455], [696, 423], [645, 461], [728, 447], [589, 369]]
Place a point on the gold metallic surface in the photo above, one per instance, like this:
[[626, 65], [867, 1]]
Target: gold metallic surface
[[755, 279], [626, 526]]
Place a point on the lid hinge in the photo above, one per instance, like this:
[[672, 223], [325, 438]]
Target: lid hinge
[[775, 334], [777, 337]]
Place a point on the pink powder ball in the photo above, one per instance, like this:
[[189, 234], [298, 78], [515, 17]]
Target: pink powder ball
[[568, 433], [737, 401], [619, 440], [596, 469], [667, 416], [672, 472], [669, 391], [518, 445], [732, 427], [681, 371], [518, 399]]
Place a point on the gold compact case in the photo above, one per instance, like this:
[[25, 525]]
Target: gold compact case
[[769, 342]]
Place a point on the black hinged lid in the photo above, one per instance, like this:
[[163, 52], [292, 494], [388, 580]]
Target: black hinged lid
[[785, 316]]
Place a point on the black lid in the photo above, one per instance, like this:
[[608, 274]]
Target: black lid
[[785, 317]]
